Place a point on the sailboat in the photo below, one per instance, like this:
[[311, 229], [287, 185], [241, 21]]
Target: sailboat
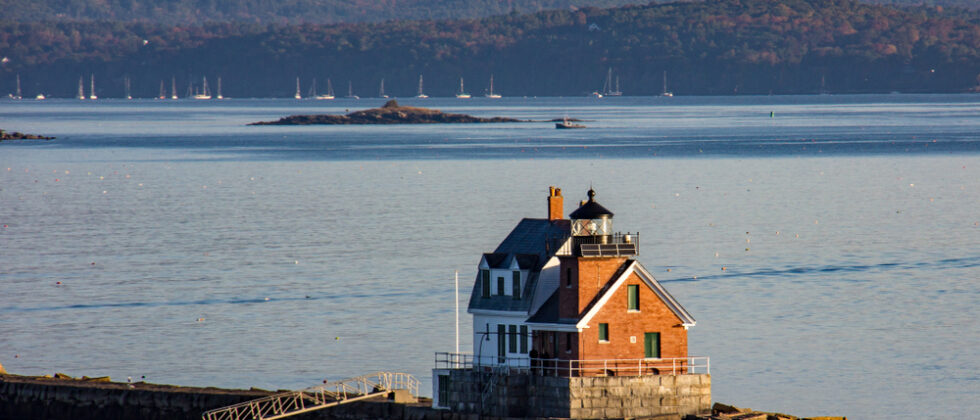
[[173, 87], [81, 88], [329, 94], [462, 94], [381, 90], [204, 93], [163, 91], [350, 91], [421, 94], [129, 94], [607, 88], [17, 93], [219, 88], [297, 95], [91, 93], [665, 91], [490, 94]]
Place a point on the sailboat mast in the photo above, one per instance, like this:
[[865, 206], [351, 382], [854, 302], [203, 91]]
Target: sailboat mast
[[81, 88], [219, 88], [126, 85], [17, 94], [173, 87], [91, 94], [163, 91], [381, 90], [297, 94], [420, 85]]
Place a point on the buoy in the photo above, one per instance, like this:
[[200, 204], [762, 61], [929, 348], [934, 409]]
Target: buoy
[[267, 299], [772, 114], [668, 270], [336, 338], [57, 282], [724, 268]]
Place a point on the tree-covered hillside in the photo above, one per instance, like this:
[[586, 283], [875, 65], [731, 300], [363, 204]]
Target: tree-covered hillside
[[717, 47], [189, 12]]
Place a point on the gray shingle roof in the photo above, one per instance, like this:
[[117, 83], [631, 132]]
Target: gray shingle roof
[[532, 243]]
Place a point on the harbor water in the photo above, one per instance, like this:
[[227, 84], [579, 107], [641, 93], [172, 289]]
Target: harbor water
[[828, 246]]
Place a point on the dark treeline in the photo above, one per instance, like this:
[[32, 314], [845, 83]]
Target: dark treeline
[[193, 12], [716, 47]]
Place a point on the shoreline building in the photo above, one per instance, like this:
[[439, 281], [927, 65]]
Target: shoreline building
[[562, 314]]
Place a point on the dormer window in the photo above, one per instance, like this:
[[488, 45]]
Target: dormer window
[[500, 286], [485, 279], [517, 285]]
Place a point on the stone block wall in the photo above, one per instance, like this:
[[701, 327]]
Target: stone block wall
[[521, 395]]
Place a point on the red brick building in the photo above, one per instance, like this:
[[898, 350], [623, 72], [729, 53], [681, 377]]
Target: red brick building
[[585, 306]]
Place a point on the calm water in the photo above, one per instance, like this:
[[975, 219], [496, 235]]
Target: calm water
[[847, 228]]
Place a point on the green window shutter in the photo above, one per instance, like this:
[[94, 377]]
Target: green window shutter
[[501, 342], [603, 332], [517, 285], [444, 390], [485, 274], [500, 286], [633, 293], [524, 339], [651, 345], [513, 339]]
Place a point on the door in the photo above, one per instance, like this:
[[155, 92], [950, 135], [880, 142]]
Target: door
[[651, 345]]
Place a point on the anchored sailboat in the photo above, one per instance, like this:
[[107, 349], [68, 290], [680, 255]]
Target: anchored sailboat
[[81, 88], [91, 93], [219, 88], [163, 91], [381, 90], [173, 87], [350, 91], [204, 93], [666, 92], [16, 94], [607, 88], [462, 93], [490, 93], [297, 95], [329, 94], [421, 94], [129, 94]]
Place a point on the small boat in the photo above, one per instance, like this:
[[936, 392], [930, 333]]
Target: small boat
[[462, 94], [329, 94], [421, 94], [490, 93], [596, 95], [565, 123], [204, 93], [91, 93], [350, 91], [40, 97]]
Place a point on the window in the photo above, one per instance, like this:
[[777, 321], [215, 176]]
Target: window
[[568, 277], [524, 339], [443, 390], [517, 285], [604, 332], [501, 343], [485, 275], [513, 339], [568, 342], [633, 295], [651, 345], [500, 286]]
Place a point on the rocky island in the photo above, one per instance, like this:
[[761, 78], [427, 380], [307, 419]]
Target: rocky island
[[14, 135], [390, 113]]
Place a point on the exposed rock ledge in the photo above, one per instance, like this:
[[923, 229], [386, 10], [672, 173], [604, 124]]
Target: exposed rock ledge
[[390, 113], [14, 135]]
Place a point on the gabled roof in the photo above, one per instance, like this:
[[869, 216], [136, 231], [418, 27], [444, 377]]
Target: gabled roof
[[633, 266], [530, 244]]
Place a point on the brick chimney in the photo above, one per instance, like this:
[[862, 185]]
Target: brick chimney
[[556, 204]]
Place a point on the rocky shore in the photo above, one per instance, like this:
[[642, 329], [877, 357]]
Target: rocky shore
[[16, 135], [62, 397], [390, 113]]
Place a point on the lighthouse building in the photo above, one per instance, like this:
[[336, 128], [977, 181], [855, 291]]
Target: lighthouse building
[[566, 298]]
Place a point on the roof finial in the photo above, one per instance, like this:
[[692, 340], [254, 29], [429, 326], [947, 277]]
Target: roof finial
[[591, 194]]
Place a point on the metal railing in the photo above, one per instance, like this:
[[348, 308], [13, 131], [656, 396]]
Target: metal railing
[[577, 367], [329, 394], [600, 245]]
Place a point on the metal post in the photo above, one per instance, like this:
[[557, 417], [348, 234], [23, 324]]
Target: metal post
[[456, 299]]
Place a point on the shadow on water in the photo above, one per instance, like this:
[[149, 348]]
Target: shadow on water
[[967, 262], [228, 301]]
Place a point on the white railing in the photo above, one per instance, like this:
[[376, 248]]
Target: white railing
[[578, 367], [329, 394]]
